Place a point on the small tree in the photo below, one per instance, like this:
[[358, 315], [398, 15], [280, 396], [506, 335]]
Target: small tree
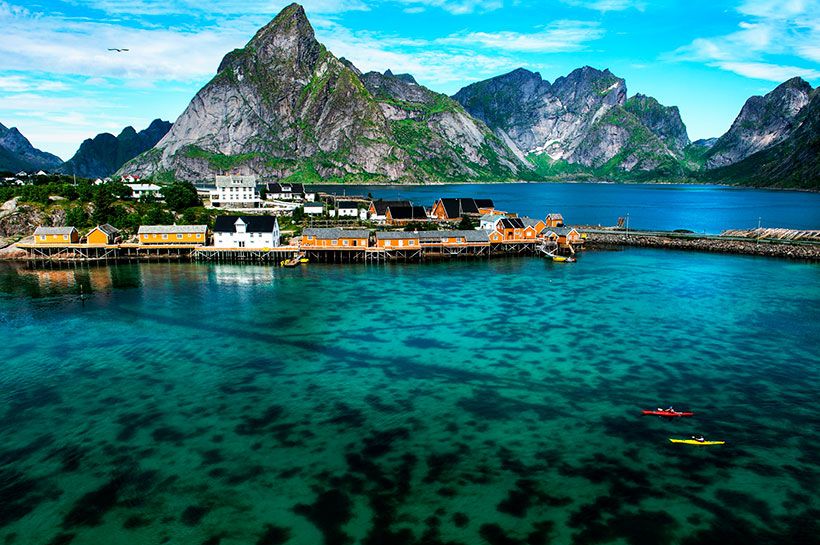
[[466, 224], [180, 196], [103, 202], [298, 215], [76, 216]]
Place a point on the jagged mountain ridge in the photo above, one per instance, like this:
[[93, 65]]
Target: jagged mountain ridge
[[583, 118], [17, 153], [762, 122], [287, 107], [794, 161], [104, 154]]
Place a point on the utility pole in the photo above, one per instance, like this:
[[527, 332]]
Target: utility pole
[[627, 224], [758, 230]]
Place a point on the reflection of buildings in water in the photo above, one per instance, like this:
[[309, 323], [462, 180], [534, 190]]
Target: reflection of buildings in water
[[242, 275], [75, 281], [53, 279]]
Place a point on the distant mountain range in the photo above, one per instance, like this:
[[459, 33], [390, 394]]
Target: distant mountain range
[[284, 106], [17, 153], [104, 154], [97, 157]]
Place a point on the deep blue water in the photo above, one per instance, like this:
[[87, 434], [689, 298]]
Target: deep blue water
[[701, 208]]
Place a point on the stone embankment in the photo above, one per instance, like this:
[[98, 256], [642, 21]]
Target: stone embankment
[[715, 244]]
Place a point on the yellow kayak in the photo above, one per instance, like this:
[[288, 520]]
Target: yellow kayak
[[694, 442]]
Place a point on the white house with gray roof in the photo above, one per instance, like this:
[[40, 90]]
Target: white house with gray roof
[[233, 191]]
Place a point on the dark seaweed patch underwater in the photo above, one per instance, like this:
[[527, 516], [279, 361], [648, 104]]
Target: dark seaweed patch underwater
[[453, 403]]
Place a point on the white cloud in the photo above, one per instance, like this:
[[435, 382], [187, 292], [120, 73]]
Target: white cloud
[[62, 45], [771, 31], [559, 36], [218, 7], [771, 72], [607, 5], [456, 7], [436, 65], [21, 84]]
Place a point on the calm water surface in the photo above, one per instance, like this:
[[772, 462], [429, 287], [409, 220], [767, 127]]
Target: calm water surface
[[701, 208], [477, 402]]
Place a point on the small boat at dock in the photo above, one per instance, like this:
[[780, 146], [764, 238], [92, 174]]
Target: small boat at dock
[[563, 259], [292, 262], [304, 260]]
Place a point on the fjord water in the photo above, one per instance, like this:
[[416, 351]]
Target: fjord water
[[707, 209], [461, 402]]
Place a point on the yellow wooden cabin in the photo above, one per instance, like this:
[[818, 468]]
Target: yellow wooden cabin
[[173, 234], [56, 235], [104, 234]]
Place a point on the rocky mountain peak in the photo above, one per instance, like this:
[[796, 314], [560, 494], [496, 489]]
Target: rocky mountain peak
[[285, 106], [18, 153], [590, 86], [407, 78], [287, 41], [664, 121], [762, 122]]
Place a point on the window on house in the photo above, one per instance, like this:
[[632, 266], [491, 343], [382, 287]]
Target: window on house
[[335, 242], [199, 235], [411, 243], [179, 236], [65, 237], [165, 237], [346, 242]]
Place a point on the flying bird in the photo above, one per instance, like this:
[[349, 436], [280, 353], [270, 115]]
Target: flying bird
[[118, 50]]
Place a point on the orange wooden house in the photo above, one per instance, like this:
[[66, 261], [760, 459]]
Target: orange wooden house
[[453, 209], [335, 238], [393, 240], [104, 234], [554, 220], [56, 235], [402, 215], [568, 235], [453, 238], [173, 234], [538, 225], [513, 230]]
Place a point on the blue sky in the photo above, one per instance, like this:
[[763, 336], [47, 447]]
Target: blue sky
[[60, 85]]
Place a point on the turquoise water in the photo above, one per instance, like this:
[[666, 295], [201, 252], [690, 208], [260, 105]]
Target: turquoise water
[[460, 402], [701, 208]]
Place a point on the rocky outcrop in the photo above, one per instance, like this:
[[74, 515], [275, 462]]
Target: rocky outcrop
[[104, 154], [793, 162], [663, 121], [582, 119], [285, 106], [20, 220], [17, 153], [763, 122]]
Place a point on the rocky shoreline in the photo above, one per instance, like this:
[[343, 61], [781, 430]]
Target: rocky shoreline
[[807, 252]]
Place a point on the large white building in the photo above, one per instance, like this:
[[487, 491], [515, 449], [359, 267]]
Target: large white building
[[246, 232], [139, 191], [235, 192]]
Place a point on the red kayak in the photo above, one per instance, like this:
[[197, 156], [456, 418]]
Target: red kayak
[[668, 414]]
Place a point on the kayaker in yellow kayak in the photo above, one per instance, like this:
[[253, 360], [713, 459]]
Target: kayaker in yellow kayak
[[699, 438]]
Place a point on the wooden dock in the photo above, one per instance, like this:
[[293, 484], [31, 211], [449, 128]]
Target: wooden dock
[[86, 253]]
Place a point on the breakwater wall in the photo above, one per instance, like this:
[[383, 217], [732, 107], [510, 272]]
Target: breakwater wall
[[714, 244]]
